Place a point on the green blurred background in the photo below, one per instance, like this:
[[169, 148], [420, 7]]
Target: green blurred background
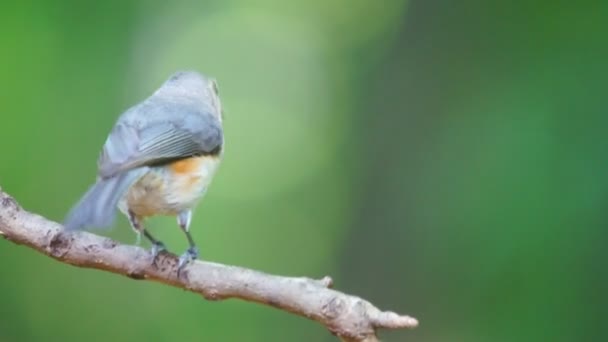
[[444, 159]]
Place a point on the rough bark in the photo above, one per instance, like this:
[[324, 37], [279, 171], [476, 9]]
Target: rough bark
[[349, 317]]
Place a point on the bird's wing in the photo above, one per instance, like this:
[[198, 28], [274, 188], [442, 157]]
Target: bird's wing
[[131, 144]]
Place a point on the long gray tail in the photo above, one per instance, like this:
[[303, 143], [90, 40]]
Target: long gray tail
[[97, 208]]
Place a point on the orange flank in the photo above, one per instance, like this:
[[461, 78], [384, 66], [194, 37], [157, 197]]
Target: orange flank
[[186, 166], [172, 188]]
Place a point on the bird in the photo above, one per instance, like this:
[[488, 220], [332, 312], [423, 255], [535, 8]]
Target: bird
[[158, 159]]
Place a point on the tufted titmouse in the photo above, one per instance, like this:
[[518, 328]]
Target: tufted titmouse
[[158, 160]]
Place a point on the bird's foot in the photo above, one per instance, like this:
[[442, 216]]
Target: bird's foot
[[190, 255], [157, 247]]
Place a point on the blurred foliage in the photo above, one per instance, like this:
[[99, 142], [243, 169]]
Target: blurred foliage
[[442, 159]]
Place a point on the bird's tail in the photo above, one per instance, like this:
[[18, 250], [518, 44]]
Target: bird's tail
[[97, 208]]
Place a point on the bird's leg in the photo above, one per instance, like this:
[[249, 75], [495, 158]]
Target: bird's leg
[[157, 246], [183, 220], [138, 227]]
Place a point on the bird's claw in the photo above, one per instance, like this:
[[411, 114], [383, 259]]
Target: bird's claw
[[190, 255], [157, 247]]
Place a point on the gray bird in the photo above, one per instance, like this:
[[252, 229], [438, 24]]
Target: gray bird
[[159, 159]]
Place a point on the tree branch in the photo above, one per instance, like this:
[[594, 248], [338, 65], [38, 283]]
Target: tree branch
[[349, 317]]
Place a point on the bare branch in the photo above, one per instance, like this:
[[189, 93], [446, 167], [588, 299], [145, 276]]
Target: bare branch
[[349, 317]]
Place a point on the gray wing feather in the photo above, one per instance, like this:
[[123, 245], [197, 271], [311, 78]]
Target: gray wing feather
[[128, 147], [172, 142]]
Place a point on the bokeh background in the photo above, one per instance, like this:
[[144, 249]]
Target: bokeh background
[[444, 159]]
